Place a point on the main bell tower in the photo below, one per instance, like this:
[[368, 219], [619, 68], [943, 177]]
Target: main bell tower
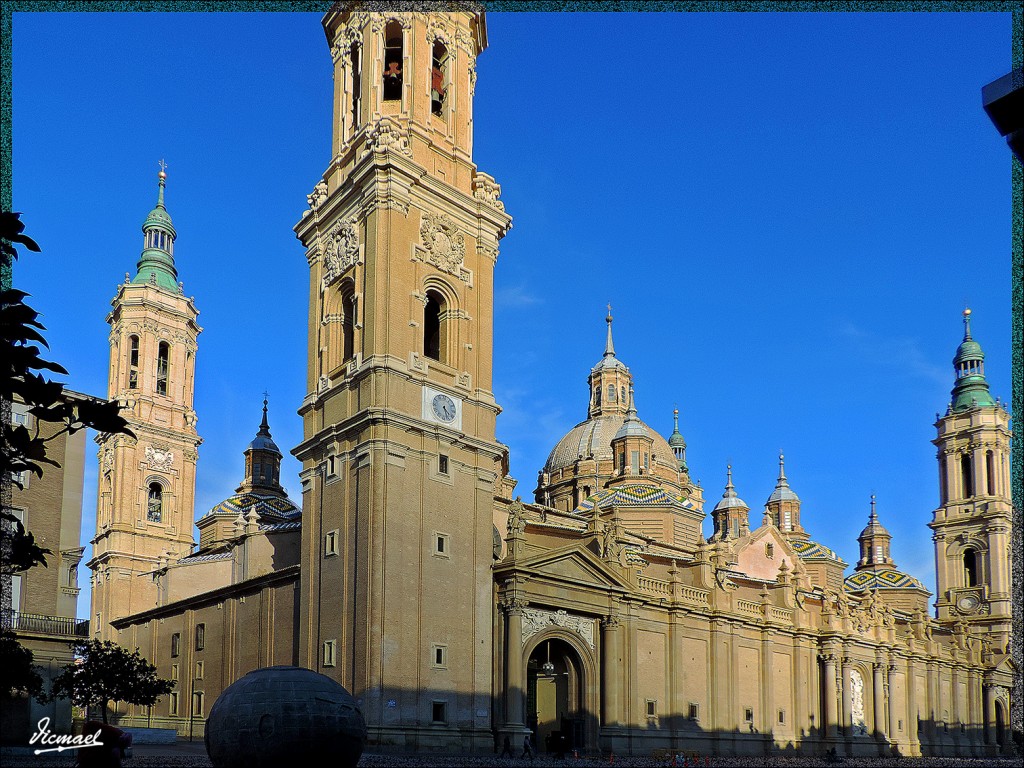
[[146, 490], [972, 524], [399, 452]]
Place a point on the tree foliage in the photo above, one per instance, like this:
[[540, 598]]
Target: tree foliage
[[104, 672], [18, 675], [23, 380]]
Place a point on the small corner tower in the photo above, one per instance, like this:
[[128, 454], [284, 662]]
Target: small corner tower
[[631, 446], [262, 463], [144, 509], [677, 443], [972, 523], [784, 506], [731, 515], [875, 541]]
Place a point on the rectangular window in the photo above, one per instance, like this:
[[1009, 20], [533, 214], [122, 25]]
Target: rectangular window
[[174, 671], [787, 520], [748, 715], [769, 551], [634, 462], [899, 725], [652, 708], [172, 703], [200, 636], [439, 712], [200, 666], [442, 545], [782, 717], [331, 468], [198, 704], [442, 464], [694, 713], [330, 651], [175, 645], [331, 543], [439, 656]]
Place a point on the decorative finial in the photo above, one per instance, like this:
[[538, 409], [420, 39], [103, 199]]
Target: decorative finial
[[264, 425], [782, 467], [675, 419], [730, 490], [609, 347], [874, 516], [163, 169], [967, 323], [162, 176]]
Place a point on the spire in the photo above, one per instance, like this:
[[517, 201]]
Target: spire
[[873, 517], [609, 347], [632, 426], [677, 443], [971, 388], [262, 461], [874, 543], [264, 426], [730, 512], [156, 264]]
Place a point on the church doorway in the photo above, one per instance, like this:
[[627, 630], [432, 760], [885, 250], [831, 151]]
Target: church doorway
[[555, 697], [1000, 727]]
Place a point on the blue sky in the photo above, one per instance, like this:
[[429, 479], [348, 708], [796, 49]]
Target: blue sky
[[787, 212]]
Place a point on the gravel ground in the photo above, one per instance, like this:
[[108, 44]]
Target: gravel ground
[[454, 761]]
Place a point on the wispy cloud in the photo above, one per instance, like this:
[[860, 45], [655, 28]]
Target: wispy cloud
[[515, 296], [903, 352]]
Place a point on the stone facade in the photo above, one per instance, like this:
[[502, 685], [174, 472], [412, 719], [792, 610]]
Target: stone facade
[[44, 601], [596, 616]]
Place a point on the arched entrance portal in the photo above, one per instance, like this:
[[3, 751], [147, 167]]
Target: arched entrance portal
[[555, 705], [1000, 727]]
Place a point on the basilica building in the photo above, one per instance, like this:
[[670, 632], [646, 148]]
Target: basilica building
[[595, 616]]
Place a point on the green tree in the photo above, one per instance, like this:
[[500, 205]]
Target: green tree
[[104, 672], [18, 675]]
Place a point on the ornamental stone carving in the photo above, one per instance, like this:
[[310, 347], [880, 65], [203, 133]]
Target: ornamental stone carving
[[485, 188], [385, 134], [159, 459], [536, 619], [318, 196], [444, 245], [340, 250]]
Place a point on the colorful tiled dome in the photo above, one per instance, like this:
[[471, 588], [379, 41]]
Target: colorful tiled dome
[[268, 508], [633, 496], [882, 579], [812, 550]]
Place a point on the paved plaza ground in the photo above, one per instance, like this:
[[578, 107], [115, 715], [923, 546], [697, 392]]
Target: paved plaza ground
[[187, 754]]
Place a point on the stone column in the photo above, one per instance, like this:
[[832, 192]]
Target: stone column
[[878, 688], [831, 723], [990, 718], [894, 732], [611, 671], [932, 708], [915, 742], [847, 714], [675, 666], [514, 678]]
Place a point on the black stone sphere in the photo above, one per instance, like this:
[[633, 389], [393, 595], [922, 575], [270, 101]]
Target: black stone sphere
[[285, 716]]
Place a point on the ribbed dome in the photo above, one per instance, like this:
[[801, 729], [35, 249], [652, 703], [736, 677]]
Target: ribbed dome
[[593, 439]]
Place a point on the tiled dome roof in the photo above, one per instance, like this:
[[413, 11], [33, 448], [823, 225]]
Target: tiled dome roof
[[812, 550], [889, 578], [633, 496], [268, 508]]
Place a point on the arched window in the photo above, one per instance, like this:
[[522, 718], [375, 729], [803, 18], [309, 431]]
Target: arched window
[[597, 396], [990, 473], [965, 471], [163, 364], [393, 55], [133, 362], [438, 78], [356, 82], [970, 568], [433, 341], [348, 326], [155, 507]]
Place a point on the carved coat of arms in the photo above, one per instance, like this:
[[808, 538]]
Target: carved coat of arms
[[340, 250], [159, 459]]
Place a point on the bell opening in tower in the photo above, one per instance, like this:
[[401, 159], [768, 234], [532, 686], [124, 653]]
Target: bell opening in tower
[[438, 78], [393, 56]]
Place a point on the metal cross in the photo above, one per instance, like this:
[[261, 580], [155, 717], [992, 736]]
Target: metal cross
[[162, 164]]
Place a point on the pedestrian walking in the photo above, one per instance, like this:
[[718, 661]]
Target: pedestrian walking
[[528, 747], [506, 748]]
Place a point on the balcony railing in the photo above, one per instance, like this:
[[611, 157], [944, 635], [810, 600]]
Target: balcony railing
[[61, 626]]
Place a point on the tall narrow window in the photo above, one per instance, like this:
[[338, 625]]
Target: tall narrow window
[[356, 83], [393, 56], [970, 568], [611, 393], [162, 365], [438, 78], [965, 471], [990, 473], [155, 511], [943, 482], [597, 396], [133, 362], [432, 326], [200, 637], [348, 326]]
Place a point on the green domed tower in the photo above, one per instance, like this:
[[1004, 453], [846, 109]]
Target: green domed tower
[[972, 522]]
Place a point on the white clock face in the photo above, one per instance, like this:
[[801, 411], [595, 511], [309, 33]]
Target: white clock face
[[444, 408]]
